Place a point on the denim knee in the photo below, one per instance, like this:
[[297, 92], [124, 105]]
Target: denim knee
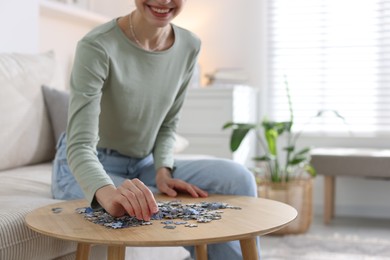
[[64, 185], [232, 178], [243, 180]]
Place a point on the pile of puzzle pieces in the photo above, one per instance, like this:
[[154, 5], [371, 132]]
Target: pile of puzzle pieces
[[174, 212]]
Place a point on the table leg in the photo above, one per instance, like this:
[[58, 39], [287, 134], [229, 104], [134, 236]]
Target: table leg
[[249, 249], [329, 194], [116, 252], [201, 252], [83, 251]]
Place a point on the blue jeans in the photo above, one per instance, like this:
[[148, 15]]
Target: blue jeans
[[216, 176]]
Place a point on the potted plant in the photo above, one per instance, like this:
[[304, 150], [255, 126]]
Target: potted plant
[[283, 172]]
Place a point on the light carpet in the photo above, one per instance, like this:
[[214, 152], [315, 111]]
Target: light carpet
[[327, 247]]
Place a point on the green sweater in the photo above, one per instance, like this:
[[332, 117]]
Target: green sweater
[[126, 99]]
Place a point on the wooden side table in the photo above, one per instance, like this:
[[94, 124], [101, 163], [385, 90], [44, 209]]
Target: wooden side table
[[256, 217]]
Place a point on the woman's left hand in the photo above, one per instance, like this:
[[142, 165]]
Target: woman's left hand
[[166, 184]]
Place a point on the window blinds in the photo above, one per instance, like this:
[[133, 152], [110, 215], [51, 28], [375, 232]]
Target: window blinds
[[335, 56]]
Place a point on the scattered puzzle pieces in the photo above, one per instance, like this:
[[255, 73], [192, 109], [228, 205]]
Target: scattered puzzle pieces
[[203, 212]]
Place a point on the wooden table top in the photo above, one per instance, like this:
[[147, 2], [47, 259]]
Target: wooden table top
[[257, 217]]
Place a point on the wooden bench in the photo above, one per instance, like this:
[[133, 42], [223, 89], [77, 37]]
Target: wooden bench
[[359, 162]]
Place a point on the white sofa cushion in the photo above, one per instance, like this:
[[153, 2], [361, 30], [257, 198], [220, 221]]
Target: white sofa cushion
[[26, 136], [22, 190]]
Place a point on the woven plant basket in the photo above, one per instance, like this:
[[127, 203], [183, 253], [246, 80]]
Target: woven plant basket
[[298, 194]]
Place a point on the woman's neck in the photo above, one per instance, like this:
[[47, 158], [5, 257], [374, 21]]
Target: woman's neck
[[147, 36]]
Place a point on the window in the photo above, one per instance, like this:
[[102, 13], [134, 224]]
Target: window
[[335, 55]]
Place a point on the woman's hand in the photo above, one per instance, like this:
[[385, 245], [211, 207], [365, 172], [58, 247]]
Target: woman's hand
[[131, 197], [166, 184]]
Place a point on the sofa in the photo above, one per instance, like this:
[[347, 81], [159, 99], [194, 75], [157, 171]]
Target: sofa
[[33, 110]]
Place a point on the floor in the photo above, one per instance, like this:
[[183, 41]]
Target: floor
[[354, 229], [379, 228]]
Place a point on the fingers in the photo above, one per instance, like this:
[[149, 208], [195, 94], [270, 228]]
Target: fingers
[[201, 192], [149, 200], [137, 199], [195, 191], [176, 184], [124, 202], [165, 188], [190, 189]]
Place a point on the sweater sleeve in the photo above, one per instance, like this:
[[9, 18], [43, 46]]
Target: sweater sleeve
[[89, 72]]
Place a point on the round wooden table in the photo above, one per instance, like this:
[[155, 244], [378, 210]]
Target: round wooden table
[[255, 218]]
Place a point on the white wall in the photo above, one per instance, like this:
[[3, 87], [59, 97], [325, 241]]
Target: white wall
[[19, 26], [121, 7], [60, 30], [230, 32]]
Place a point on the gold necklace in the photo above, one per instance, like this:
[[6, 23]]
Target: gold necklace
[[136, 39]]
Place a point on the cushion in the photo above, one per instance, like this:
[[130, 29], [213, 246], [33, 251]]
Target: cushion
[[181, 144], [22, 190], [57, 105], [26, 136], [363, 162]]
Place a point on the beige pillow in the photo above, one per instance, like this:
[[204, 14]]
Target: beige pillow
[[26, 136]]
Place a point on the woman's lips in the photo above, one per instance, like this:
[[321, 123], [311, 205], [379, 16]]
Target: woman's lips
[[160, 11]]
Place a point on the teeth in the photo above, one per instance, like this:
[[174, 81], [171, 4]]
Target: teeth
[[160, 11]]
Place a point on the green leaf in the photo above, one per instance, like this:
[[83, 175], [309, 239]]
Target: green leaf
[[240, 130], [280, 127], [283, 126], [303, 151], [335, 112], [228, 125], [289, 148], [311, 170], [271, 135], [237, 137], [234, 125], [297, 160], [264, 158]]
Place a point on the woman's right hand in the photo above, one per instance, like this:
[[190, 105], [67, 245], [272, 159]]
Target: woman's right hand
[[132, 197]]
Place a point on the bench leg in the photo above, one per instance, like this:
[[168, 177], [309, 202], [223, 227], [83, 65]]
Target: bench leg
[[116, 252], [83, 251], [329, 197], [201, 252], [249, 249]]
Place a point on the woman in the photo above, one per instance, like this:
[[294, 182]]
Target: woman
[[128, 85]]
